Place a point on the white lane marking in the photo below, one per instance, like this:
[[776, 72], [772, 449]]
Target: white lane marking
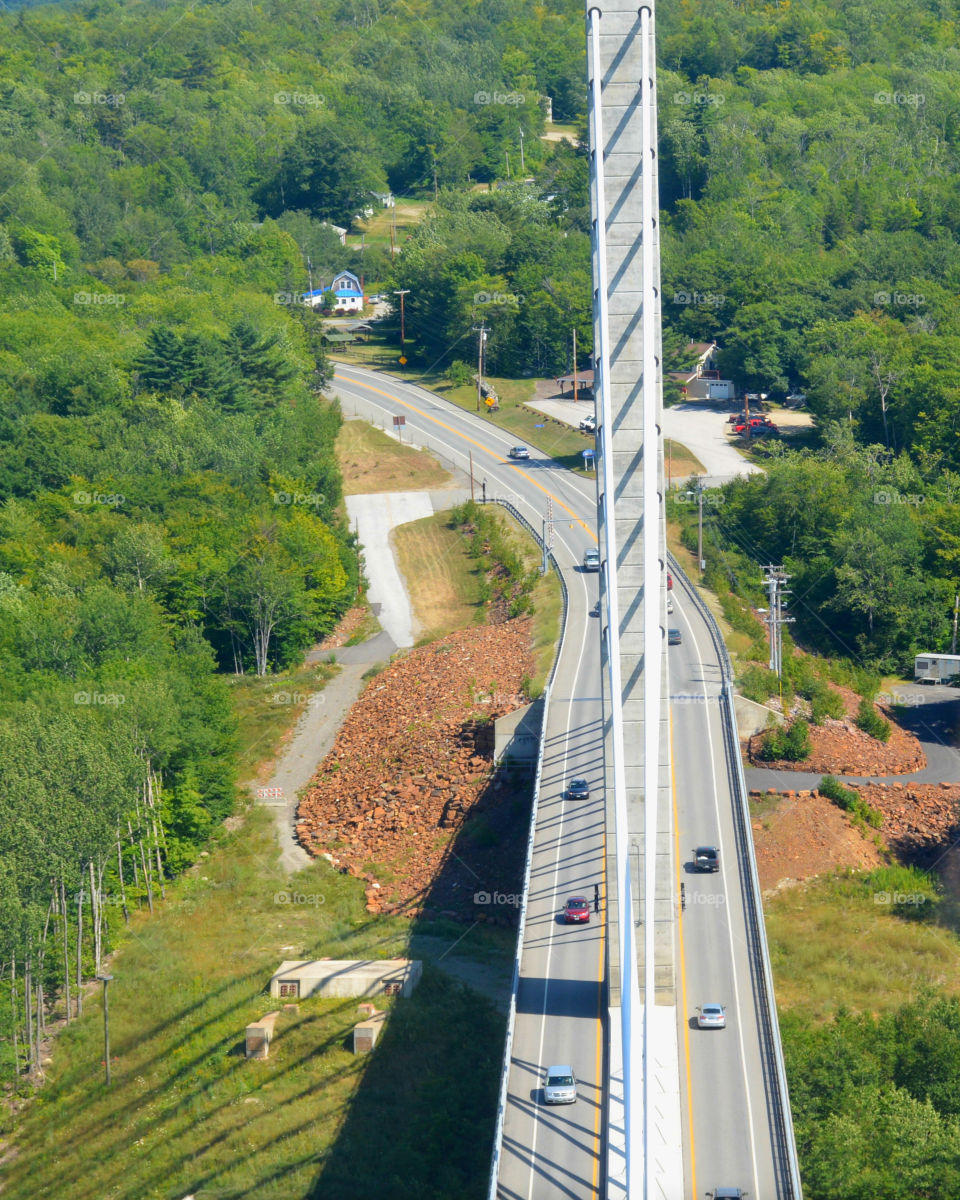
[[556, 869], [733, 960], [585, 488]]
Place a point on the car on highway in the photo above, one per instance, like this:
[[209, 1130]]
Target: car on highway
[[669, 582], [588, 424], [595, 611], [591, 559], [576, 911], [518, 452], [578, 789], [711, 1016], [706, 858], [560, 1086], [674, 637], [669, 605], [727, 1193]]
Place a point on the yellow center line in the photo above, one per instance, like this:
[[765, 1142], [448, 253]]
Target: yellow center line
[[683, 968], [597, 1143], [472, 441]]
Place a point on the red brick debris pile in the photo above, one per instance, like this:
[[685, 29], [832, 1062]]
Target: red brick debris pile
[[412, 759], [840, 747]]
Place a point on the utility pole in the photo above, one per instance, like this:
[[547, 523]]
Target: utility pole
[[574, 364], [956, 608], [507, 154], [471, 475], [482, 331], [401, 293], [522, 168], [310, 278], [700, 522], [774, 581]]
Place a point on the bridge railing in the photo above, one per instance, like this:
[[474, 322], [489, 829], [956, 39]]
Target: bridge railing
[[528, 864], [774, 1067]]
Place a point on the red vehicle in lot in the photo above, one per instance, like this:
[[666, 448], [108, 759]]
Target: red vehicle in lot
[[755, 423]]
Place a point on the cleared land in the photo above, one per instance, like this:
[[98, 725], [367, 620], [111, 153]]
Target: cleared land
[[188, 1114], [371, 461], [833, 945], [442, 580]]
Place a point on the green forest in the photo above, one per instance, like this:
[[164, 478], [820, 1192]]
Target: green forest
[[170, 506]]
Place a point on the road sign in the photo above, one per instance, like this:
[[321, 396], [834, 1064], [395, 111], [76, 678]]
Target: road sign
[[587, 454], [403, 360], [400, 420]]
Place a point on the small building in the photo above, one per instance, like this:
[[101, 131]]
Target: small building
[[936, 668], [386, 199], [339, 230], [346, 292], [298, 978], [584, 382]]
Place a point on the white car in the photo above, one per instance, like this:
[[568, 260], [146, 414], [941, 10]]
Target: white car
[[518, 452], [711, 1016], [560, 1086], [669, 605], [589, 424]]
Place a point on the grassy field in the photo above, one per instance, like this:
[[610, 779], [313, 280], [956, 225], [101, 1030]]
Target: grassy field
[[833, 945], [376, 231], [266, 708], [187, 1114], [372, 461], [442, 579], [444, 585], [679, 463]]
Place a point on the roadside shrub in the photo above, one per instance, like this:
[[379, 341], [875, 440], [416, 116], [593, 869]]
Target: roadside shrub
[[870, 721], [824, 702], [758, 684], [460, 373], [860, 811], [740, 617], [790, 744]]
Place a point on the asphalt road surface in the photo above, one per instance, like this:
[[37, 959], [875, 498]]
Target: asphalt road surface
[[558, 1151]]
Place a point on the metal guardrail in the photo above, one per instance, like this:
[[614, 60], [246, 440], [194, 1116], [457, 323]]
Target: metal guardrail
[[528, 863], [775, 1081]]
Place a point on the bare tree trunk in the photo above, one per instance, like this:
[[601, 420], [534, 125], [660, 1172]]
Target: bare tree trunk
[[123, 889], [80, 949], [96, 916], [143, 858], [136, 871], [66, 945], [28, 1008], [41, 1023], [156, 835], [16, 1020]]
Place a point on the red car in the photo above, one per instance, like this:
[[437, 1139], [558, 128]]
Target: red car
[[669, 582], [576, 910]]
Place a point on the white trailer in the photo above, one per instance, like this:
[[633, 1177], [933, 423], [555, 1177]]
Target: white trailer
[[936, 668]]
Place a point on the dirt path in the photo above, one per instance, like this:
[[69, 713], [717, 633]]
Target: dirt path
[[312, 738]]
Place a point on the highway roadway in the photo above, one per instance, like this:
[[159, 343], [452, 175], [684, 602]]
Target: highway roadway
[[559, 1151]]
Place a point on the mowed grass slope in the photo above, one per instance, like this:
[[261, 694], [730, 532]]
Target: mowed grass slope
[[442, 580], [372, 461], [187, 1114]]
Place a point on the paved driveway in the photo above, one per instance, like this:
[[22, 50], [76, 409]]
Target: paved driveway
[[702, 430]]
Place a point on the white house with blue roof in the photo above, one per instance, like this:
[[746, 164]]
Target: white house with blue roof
[[345, 289]]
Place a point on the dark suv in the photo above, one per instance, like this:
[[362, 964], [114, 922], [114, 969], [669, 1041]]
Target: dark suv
[[706, 858]]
